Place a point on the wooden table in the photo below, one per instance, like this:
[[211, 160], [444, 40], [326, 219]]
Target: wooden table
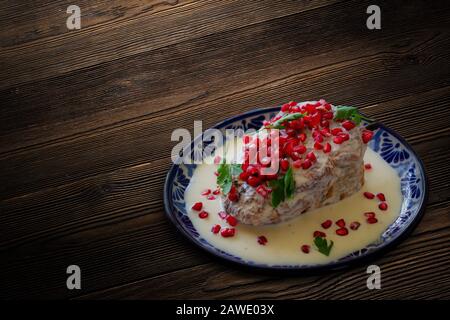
[[87, 117]]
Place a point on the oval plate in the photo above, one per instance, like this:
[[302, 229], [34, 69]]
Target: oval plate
[[387, 143]]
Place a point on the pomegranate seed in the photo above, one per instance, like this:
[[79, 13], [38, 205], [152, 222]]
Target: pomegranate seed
[[263, 191], [326, 224], [372, 220], [383, 206], [318, 146], [354, 225], [327, 148], [337, 140], [302, 137], [344, 136], [292, 103], [325, 132], [305, 248], [368, 166], [381, 196], [369, 214], [300, 149], [203, 215], [262, 240], [295, 156], [243, 176], [211, 197], [254, 181], [342, 231], [228, 232], [369, 195], [216, 192], [285, 107], [348, 125], [297, 164], [216, 173], [336, 131], [319, 234], [340, 223], [197, 206], [222, 214], [311, 156], [215, 229], [206, 192], [252, 171], [306, 164], [366, 136], [284, 164], [246, 139], [328, 115], [231, 220], [233, 197], [325, 124]]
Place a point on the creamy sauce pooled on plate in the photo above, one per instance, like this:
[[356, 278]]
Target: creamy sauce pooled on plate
[[284, 240]]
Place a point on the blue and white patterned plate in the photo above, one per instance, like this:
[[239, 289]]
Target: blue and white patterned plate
[[387, 143]]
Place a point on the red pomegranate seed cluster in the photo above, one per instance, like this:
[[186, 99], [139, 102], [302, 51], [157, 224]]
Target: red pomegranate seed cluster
[[319, 234], [381, 197], [341, 230], [225, 232], [210, 195], [292, 149], [228, 232]]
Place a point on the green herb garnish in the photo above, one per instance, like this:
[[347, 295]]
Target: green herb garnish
[[283, 188], [289, 184], [226, 173], [277, 191], [286, 118], [322, 245], [349, 113]]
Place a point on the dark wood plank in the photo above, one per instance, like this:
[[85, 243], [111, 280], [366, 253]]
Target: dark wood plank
[[110, 39], [46, 20], [114, 227], [87, 116], [395, 63], [403, 275]]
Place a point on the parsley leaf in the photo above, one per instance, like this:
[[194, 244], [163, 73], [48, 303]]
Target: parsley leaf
[[289, 184], [287, 117], [278, 195], [322, 245], [349, 113], [226, 172], [283, 188]]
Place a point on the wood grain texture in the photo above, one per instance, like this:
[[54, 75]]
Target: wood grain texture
[[87, 116]]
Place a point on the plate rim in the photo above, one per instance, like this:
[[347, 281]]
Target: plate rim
[[333, 265]]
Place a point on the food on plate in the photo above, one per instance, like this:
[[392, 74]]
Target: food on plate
[[321, 149], [329, 197]]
